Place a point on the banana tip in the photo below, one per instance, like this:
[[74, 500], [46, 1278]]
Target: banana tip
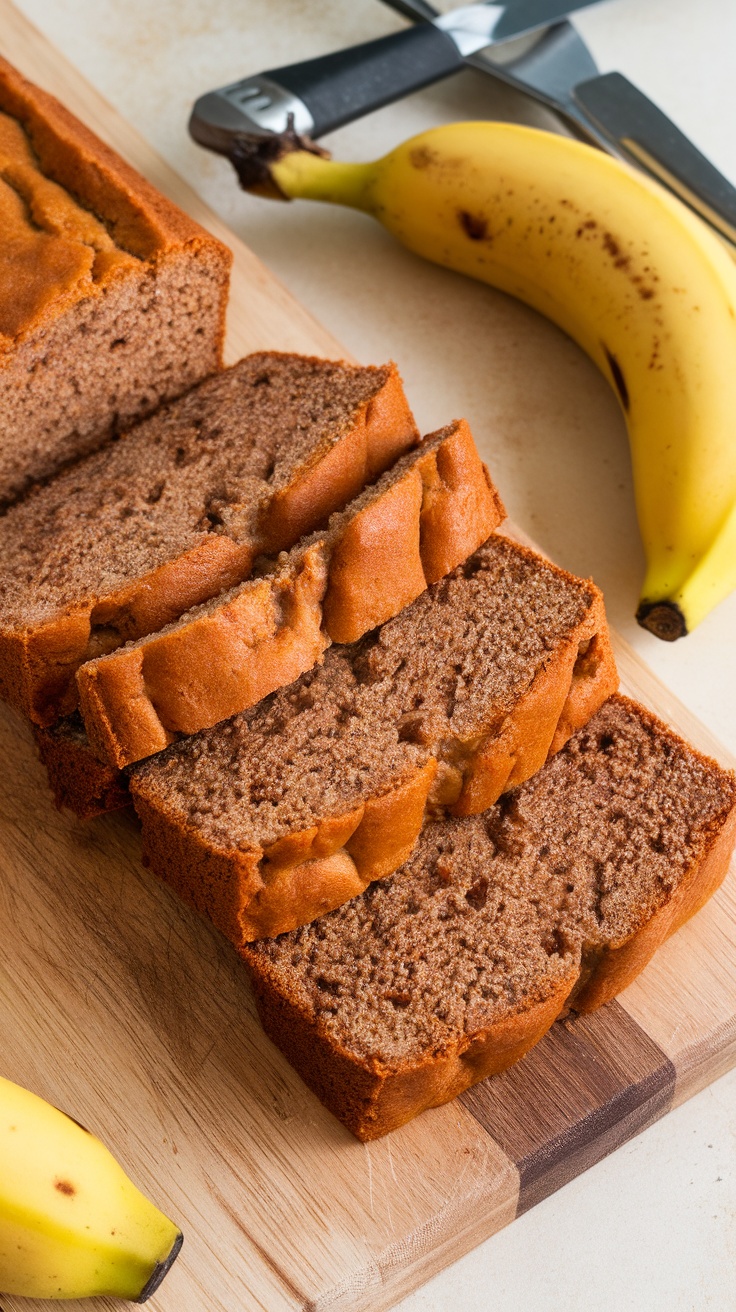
[[662, 618], [161, 1270], [253, 157]]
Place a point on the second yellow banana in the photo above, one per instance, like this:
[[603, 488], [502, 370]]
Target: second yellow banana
[[71, 1222]]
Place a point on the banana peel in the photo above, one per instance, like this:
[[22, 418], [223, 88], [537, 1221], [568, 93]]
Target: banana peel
[[72, 1224], [637, 280]]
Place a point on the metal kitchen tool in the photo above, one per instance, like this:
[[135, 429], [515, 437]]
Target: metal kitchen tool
[[559, 70], [323, 94]]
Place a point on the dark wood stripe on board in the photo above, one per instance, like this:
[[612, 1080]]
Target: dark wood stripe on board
[[592, 1083]]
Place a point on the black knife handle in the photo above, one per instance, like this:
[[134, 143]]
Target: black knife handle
[[417, 10], [343, 86]]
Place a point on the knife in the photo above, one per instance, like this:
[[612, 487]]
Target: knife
[[648, 138], [608, 110], [325, 93]]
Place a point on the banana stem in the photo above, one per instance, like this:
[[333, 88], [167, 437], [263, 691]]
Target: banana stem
[[302, 175]]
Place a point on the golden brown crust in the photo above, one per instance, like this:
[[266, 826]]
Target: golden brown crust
[[390, 826], [594, 672], [375, 567], [264, 892], [425, 526], [382, 430], [140, 699], [566, 692], [459, 498], [37, 666], [137, 700], [139, 219], [371, 1099]]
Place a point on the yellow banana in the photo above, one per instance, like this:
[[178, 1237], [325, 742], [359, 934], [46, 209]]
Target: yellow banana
[[71, 1222], [624, 268]]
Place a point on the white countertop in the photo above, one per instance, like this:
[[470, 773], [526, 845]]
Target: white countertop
[[652, 1228]]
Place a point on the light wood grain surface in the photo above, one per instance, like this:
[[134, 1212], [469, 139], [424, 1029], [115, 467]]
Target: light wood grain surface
[[122, 1007]]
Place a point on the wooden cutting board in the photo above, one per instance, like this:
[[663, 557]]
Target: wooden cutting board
[[119, 1005]]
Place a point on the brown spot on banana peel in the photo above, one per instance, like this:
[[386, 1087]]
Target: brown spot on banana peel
[[662, 618], [421, 157], [617, 375], [475, 226], [614, 250], [253, 158], [65, 1187], [424, 157], [612, 246]]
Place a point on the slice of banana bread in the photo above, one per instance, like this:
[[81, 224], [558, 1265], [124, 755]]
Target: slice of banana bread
[[287, 810], [79, 781], [425, 515], [174, 512], [558, 896], [111, 299]]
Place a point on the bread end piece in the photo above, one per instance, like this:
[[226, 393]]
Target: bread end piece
[[121, 296]]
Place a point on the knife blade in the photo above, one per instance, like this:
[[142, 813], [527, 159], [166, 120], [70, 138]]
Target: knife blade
[[527, 15], [608, 110], [323, 94], [643, 134]]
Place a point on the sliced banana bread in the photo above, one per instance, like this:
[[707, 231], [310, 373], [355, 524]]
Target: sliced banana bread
[[174, 512], [425, 515], [111, 299], [289, 809], [558, 896]]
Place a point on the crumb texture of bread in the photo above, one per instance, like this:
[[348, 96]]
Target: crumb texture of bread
[[175, 512], [266, 820], [222, 657], [558, 895], [111, 299]]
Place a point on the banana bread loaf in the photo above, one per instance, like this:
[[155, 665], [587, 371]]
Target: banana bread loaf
[[557, 897], [426, 514], [174, 512], [111, 299], [289, 809]]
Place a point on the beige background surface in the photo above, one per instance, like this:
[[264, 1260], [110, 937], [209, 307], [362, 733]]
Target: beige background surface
[[654, 1227]]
